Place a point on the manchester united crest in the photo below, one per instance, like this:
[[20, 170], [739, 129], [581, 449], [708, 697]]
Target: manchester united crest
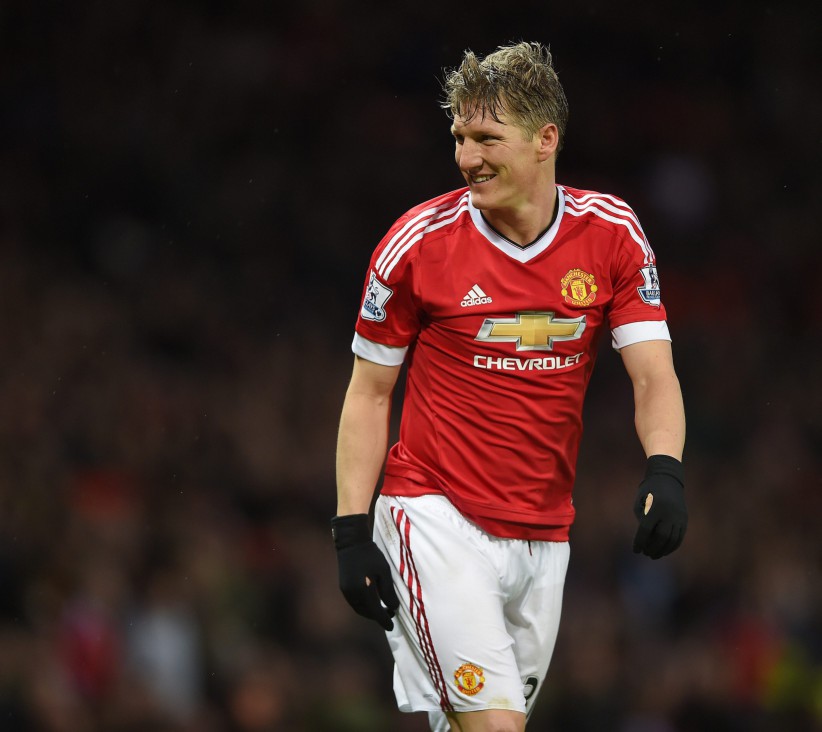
[[578, 287], [469, 679]]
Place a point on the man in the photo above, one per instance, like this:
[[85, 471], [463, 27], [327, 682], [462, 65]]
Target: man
[[494, 296]]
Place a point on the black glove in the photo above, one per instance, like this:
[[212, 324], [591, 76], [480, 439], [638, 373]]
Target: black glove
[[662, 529], [359, 558]]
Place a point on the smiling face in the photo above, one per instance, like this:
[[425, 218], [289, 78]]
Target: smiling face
[[505, 170]]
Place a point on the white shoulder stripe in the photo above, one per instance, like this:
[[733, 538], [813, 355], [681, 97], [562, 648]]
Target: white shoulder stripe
[[431, 224], [615, 206], [605, 196], [636, 232], [402, 232], [420, 220]]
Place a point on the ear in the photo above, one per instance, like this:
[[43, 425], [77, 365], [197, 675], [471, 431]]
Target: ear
[[548, 140]]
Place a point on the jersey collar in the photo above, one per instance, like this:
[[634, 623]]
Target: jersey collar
[[507, 247]]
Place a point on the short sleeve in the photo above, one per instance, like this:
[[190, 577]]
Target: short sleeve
[[378, 353], [645, 330], [636, 312], [389, 313]]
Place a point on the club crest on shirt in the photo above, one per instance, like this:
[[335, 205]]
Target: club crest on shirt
[[578, 287], [649, 292], [376, 295], [469, 679]]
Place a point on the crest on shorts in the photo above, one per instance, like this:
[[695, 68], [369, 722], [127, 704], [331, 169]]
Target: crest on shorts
[[578, 287], [469, 679]]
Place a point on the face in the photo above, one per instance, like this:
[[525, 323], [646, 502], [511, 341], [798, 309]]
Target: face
[[501, 166]]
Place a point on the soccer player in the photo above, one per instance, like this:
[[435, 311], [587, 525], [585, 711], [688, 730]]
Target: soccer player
[[494, 296]]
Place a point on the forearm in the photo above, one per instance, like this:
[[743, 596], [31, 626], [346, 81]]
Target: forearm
[[660, 415], [361, 446]]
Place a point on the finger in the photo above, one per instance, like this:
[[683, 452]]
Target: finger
[[367, 603], [677, 536], [388, 594], [649, 501], [659, 540], [646, 526], [358, 601], [682, 530], [376, 611]]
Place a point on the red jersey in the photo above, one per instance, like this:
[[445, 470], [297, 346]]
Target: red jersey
[[500, 341]]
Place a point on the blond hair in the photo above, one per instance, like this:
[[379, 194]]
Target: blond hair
[[517, 80]]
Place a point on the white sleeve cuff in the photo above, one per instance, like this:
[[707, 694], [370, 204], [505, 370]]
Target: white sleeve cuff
[[378, 353], [646, 330]]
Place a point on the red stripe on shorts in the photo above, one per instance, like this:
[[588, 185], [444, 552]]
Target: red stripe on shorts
[[417, 608]]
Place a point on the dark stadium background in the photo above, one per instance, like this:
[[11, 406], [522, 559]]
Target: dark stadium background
[[189, 193]]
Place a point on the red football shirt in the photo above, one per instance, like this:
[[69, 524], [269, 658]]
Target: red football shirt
[[500, 341]]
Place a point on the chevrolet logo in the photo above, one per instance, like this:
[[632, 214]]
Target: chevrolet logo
[[531, 331]]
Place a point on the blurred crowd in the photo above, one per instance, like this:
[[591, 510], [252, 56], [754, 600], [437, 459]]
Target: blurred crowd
[[189, 193]]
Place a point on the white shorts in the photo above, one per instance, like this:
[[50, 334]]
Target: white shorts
[[478, 615]]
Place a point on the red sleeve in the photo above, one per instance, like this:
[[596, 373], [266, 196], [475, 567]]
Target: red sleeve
[[389, 313], [636, 283]]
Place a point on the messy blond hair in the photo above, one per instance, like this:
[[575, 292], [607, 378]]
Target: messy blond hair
[[518, 80]]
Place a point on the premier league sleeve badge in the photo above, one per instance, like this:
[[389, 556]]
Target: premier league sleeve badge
[[649, 291], [376, 295]]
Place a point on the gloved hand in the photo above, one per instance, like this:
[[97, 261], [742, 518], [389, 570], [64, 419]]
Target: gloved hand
[[662, 529], [358, 558]]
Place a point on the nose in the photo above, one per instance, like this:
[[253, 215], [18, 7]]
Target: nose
[[468, 156]]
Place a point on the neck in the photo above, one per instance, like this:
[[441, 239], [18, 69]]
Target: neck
[[527, 223]]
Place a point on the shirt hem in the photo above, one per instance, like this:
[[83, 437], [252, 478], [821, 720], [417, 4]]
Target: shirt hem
[[499, 524]]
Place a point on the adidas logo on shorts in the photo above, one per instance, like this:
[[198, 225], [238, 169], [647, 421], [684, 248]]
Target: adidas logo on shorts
[[475, 296]]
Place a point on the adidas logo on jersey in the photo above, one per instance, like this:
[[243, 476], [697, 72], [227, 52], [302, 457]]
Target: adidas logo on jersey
[[475, 296]]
